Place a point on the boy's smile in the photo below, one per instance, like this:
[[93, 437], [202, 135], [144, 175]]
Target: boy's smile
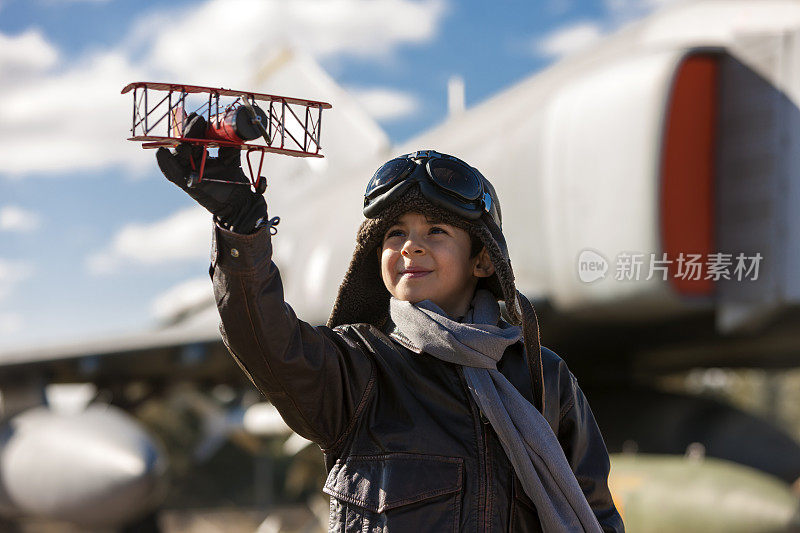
[[421, 260]]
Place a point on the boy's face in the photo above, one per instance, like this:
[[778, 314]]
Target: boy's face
[[430, 261]]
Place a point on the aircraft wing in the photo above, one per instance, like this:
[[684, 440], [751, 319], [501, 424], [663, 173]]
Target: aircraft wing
[[192, 349]]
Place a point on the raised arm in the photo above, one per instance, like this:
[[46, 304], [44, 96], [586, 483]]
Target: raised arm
[[317, 378]]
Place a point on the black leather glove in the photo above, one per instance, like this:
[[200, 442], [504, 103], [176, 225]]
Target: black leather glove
[[234, 206]]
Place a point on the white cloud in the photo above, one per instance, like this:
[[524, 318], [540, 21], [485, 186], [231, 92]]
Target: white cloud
[[370, 28], [182, 297], [183, 235], [15, 218], [364, 28], [580, 35], [11, 274], [568, 39], [72, 120], [66, 116], [385, 104], [25, 53]]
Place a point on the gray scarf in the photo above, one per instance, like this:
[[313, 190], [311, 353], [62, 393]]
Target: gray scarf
[[529, 442]]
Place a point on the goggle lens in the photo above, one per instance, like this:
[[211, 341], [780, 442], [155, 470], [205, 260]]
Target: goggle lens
[[390, 172], [455, 178]]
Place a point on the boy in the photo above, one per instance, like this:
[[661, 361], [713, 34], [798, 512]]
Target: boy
[[433, 413]]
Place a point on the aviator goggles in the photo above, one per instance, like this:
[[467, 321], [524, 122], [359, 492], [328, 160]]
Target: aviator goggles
[[444, 180]]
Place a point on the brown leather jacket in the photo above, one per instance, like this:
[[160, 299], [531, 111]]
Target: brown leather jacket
[[405, 445]]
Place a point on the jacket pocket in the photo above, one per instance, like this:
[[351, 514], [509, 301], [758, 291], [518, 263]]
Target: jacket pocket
[[395, 492]]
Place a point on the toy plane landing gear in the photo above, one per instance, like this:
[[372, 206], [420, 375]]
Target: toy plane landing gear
[[289, 126]]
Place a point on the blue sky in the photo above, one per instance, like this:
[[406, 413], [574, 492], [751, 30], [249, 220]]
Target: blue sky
[[75, 198]]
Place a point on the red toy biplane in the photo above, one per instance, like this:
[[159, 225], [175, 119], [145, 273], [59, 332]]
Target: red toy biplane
[[289, 126]]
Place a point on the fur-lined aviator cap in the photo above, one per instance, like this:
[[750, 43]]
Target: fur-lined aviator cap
[[363, 297]]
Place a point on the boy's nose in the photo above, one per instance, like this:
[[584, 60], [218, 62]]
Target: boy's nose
[[411, 247]]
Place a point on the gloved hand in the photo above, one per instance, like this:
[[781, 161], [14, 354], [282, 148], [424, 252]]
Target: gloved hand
[[234, 206]]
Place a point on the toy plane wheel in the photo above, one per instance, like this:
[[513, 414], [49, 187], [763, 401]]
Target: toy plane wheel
[[192, 180]]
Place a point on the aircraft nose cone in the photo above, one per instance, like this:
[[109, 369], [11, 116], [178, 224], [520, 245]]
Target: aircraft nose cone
[[96, 468]]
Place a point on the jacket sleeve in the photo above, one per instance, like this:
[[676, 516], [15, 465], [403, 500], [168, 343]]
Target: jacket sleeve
[[317, 377], [586, 451]]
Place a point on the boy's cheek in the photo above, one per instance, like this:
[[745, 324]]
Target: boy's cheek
[[386, 262], [388, 282]]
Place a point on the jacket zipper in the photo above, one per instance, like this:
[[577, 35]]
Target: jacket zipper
[[483, 471], [488, 462]]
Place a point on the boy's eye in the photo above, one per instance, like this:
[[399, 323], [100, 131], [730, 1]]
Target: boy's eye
[[393, 233], [437, 229]]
